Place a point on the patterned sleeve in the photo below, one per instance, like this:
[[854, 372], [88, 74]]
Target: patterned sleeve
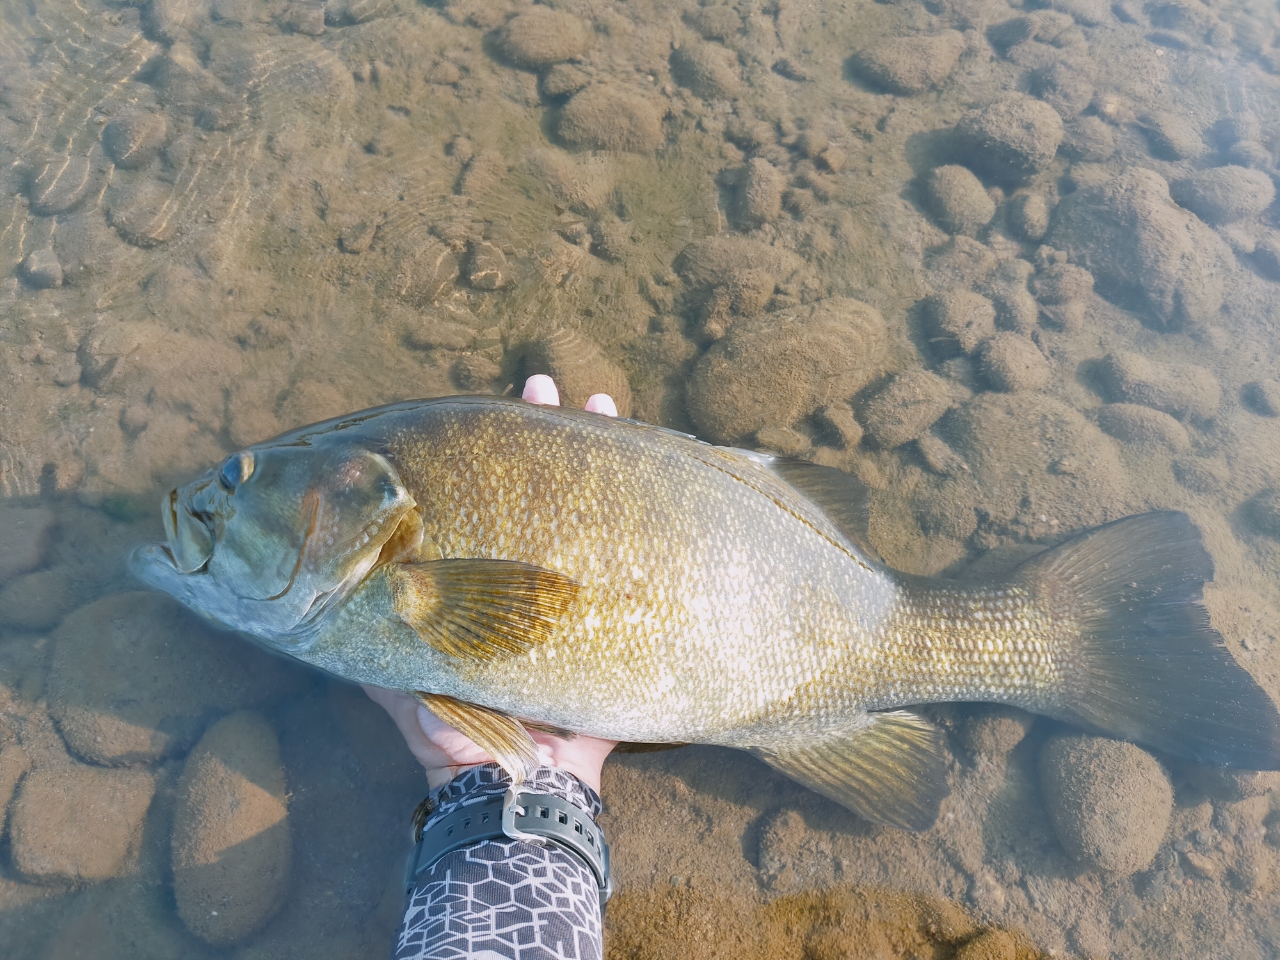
[[504, 898]]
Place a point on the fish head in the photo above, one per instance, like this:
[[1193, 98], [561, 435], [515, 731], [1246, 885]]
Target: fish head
[[267, 540]]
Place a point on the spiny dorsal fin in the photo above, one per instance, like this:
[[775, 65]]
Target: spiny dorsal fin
[[891, 769], [841, 496], [480, 610], [503, 738]]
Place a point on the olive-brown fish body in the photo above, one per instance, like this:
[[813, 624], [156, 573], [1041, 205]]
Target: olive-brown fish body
[[503, 560], [714, 597]]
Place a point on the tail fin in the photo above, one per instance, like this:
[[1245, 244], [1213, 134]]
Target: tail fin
[[1151, 668]]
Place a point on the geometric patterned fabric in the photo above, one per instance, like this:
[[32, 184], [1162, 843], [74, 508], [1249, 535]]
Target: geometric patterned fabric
[[504, 899]]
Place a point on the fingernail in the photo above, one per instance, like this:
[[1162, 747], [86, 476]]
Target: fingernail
[[602, 403], [541, 389]]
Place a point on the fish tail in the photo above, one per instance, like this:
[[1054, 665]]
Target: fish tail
[[1149, 665]]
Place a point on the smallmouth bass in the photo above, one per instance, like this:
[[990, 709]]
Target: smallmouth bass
[[513, 565]]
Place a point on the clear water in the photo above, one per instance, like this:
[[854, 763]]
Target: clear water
[[221, 220]]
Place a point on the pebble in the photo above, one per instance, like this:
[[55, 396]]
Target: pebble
[[1012, 363], [582, 184], [1134, 423], [542, 36], [708, 69], [357, 236], [25, 533], [1109, 801], [908, 406], [714, 23], [1224, 194], [1061, 283], [133, 142], [1180, 390], [1129, 231], [1262, 397], [959, 320], [487, 267], [143, 214], [41, 269], [958, 200], [60, 184], [579, 368], [762, 188], [1264, 513], [1029, 215], [1010, 139], [1016, 310], [1089, 140], [73, 823], [995, 731], [1250, 153], [1064, 88], [134, 678], [1201, 474], [231, 841], [426, 273], [908, 65], [562, 80], [1267, 256], [609, 117], [36, 601], [1171, 136], [774, 369]]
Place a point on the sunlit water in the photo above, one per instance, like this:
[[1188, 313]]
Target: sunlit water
[[221, 220]]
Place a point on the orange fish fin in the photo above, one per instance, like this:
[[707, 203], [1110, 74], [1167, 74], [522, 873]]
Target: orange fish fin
[[503, 738], [481, 610], [890, 768]]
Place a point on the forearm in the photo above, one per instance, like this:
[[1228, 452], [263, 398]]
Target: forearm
[[502, 897]]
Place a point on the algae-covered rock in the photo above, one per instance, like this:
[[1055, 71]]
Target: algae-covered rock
[[1151, 253], [773, 369], [1109, 801]]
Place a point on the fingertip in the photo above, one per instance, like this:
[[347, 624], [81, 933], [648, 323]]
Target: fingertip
[[602, 403], [541, 389]]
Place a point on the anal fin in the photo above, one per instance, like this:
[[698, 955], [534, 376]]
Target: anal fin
[[502, 737], [890, 769]]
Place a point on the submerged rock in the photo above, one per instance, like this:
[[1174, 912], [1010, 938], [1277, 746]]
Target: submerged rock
[[958, 200], [773, 369], [1224, 194], [1152, 253], [1110, 802], [708, 69], [25, 533], [541, 36], [906, 408], [134, 678], [1180, 390], [73, 823], [907, 65], [611, 117], [231, 841], [1013, 363], [1010, 139]]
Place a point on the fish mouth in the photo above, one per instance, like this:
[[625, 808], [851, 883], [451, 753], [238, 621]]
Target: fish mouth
[[188, 535]]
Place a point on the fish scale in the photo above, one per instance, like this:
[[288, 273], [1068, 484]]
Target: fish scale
[[511, 564]]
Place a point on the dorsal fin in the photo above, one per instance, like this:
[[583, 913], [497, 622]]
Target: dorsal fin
[[839, 495]]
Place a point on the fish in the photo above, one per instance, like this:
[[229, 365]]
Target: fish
[[520, 567]]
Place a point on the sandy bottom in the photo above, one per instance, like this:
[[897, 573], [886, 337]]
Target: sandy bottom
[[1016, 267]]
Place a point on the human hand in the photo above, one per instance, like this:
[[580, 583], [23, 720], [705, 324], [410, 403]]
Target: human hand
[[445, 752]]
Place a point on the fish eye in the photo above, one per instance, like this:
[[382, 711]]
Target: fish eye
[[236, 470]]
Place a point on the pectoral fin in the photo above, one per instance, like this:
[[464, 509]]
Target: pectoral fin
[[500, 736], [481, 610], [891, 769]]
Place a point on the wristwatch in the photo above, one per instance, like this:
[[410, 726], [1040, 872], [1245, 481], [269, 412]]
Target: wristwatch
[[539, 818]]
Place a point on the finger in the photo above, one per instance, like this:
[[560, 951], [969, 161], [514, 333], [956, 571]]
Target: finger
[[541, 389], [602, 403]]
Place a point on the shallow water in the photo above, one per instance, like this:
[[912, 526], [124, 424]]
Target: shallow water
[[221, 220]]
